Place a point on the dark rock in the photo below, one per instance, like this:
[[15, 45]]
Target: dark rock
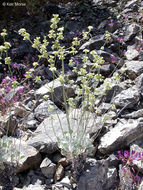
[[97, 176]]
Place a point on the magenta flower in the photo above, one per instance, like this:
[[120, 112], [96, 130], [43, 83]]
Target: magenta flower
[[76, 62], [111, 24], [20, 91], [113, 59], [120, 39], [8, 88], [15, 65], [4, 80], [15, 99]]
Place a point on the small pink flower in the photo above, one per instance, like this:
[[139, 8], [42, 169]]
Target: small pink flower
[[15, 99], [111, 24], [76, 62], [8, 88], [113, 59], [120, 39], [20, 91], [124, 52]]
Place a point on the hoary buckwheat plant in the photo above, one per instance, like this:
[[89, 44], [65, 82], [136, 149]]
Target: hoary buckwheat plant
[[73, 142]]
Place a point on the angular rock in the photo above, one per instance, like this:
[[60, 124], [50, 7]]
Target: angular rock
[[127, 98], [137, 146], [31, 187], [57, 94], [45, 137], [66, 182], [131, 3], [134, 115], [8, 123], [141, 186], [94, 43], [131, 31], [20, 110], [103, 108], [141, 55], [131, 54], [59, 173], [115, 89], [43, 110], [29, 157], [124, 133], [48, 168], [32, 124], [134, 68], [139, 83], [126, 182], [97, 176]]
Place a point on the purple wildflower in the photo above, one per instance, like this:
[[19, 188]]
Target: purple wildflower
[[76, 62], [126, 154], [111, 24], [120, 39], [15, 99], [8, 88], [113, 59], [20, 91], [15, 65]]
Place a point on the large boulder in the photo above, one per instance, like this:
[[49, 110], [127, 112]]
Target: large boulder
[[123, 134], [46, 136]]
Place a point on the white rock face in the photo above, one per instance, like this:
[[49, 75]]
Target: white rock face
[[121, 135], [134, 68]]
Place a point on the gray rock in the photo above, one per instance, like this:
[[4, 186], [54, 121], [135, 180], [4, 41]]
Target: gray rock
[[8, 123], [141, 55], [66, 182], [115, 88], [139, 83], [103, 108], [134, 68], [127, 98], [32, 124], [98, 176], [43, 110], [131, 31], [126, 182], [137, 146], [45, 137], [94, 43], [131, 3], [29, 157], [134, 115], [48, 168], [57, 95], [124, 133], [132, 54], [31, 187], [141, 186]]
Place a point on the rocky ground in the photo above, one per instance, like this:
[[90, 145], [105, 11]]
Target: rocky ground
[[42, 166]]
